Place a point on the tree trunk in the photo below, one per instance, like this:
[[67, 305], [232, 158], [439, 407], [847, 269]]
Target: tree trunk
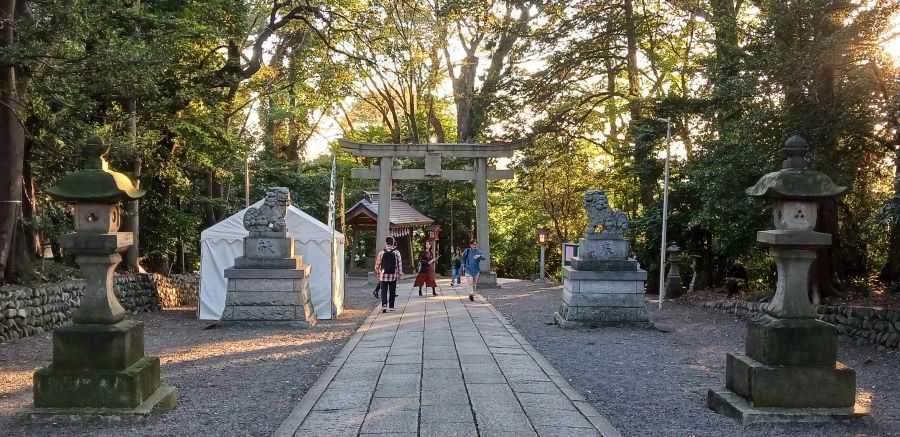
[[209, 215], [724, 21], [219, 195], [891, 271], [435, 123], [14, 260], [643, 156], [32, 239], [465, 101], [822, 278], [131, 218]]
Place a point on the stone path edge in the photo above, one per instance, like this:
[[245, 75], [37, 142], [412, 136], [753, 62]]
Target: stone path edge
[[598, 420], [295, 419]]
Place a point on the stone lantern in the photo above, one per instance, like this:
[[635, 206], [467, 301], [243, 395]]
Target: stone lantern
[[789, 372], [674, 288], [433, 232], [99, 372]]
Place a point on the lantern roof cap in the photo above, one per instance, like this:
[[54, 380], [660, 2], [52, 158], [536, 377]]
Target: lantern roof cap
[[95, 182], [795, 180]]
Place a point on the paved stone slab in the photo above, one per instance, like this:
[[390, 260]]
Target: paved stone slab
[[445, 429], [447, 413], [442, 366]]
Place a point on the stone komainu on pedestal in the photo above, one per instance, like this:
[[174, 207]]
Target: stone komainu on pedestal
[[269, 283], [602, 287], [789, 372], [99, 371]]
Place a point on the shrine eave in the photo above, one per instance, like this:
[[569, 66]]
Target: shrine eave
[[458, 150]]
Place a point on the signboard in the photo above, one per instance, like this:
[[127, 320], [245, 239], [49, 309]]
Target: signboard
[[570, 250]]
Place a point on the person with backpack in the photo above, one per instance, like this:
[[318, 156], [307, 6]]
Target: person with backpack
[[456, 266], [470, 260], [389, 271]]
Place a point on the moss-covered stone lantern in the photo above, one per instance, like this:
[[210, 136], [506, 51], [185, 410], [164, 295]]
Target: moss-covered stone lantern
[[97, 193], [99, 371], [789, 371]]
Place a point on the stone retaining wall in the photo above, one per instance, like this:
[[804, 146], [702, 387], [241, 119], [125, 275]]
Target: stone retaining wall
[[25, 311], [880, 327], [178, 290]]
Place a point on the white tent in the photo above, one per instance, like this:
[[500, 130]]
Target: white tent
[[221, 243]]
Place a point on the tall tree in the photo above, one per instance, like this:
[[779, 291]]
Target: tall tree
[[14, 256]]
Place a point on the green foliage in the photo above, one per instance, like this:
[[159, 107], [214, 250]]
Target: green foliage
[[735, 81]]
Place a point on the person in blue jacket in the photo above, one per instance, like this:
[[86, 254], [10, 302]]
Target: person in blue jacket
[[471, 258]]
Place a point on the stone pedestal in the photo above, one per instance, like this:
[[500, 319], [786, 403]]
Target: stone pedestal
[[602, 287], [269, 295], [487, 280], [269, 283], [788, 372], [99, 373]]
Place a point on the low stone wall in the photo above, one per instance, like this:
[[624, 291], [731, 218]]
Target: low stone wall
[[878, 327], [178, 290], [25, 311]]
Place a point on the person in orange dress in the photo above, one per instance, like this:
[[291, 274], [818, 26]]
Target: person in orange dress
[[425, 269]]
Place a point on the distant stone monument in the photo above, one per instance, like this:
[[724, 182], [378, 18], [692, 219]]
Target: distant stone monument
[[602, 287], [269, 283], [674, 287], [99, 371], [789, 372]]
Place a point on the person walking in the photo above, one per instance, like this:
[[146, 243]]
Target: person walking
[[455, 265], [470, 259], [389, 269], [426, 269]]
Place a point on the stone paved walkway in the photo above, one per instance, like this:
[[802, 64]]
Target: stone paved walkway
[[441, 366]]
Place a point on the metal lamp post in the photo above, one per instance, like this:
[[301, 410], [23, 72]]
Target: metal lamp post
[[665, 214], [543, 239]]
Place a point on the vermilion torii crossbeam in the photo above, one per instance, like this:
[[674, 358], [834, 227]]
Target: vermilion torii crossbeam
[[433, 153]]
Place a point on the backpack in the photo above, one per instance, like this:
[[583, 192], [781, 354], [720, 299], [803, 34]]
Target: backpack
[[388, 263]]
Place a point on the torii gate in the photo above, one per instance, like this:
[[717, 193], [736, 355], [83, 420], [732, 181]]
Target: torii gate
[[433, 153]]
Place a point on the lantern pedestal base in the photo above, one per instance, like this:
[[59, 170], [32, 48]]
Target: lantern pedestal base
[[99, 374], [728, 403], [163, 400], [788, 374], [674, 288]]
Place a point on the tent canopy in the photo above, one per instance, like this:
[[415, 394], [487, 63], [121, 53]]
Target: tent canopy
[[221, 243]]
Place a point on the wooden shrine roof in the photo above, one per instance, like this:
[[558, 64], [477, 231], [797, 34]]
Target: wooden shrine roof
[[365, 212]]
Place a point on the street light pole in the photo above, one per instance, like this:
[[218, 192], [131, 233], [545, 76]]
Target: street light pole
[[543, 248], [665, 215], [543, 239]]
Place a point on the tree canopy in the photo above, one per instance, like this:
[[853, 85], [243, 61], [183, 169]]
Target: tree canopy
[[192, 94]]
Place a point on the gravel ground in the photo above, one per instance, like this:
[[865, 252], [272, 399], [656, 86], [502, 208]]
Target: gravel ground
[[231, 380], [654, 383]]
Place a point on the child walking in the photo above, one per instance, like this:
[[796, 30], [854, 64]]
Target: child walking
[[456, 266]]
